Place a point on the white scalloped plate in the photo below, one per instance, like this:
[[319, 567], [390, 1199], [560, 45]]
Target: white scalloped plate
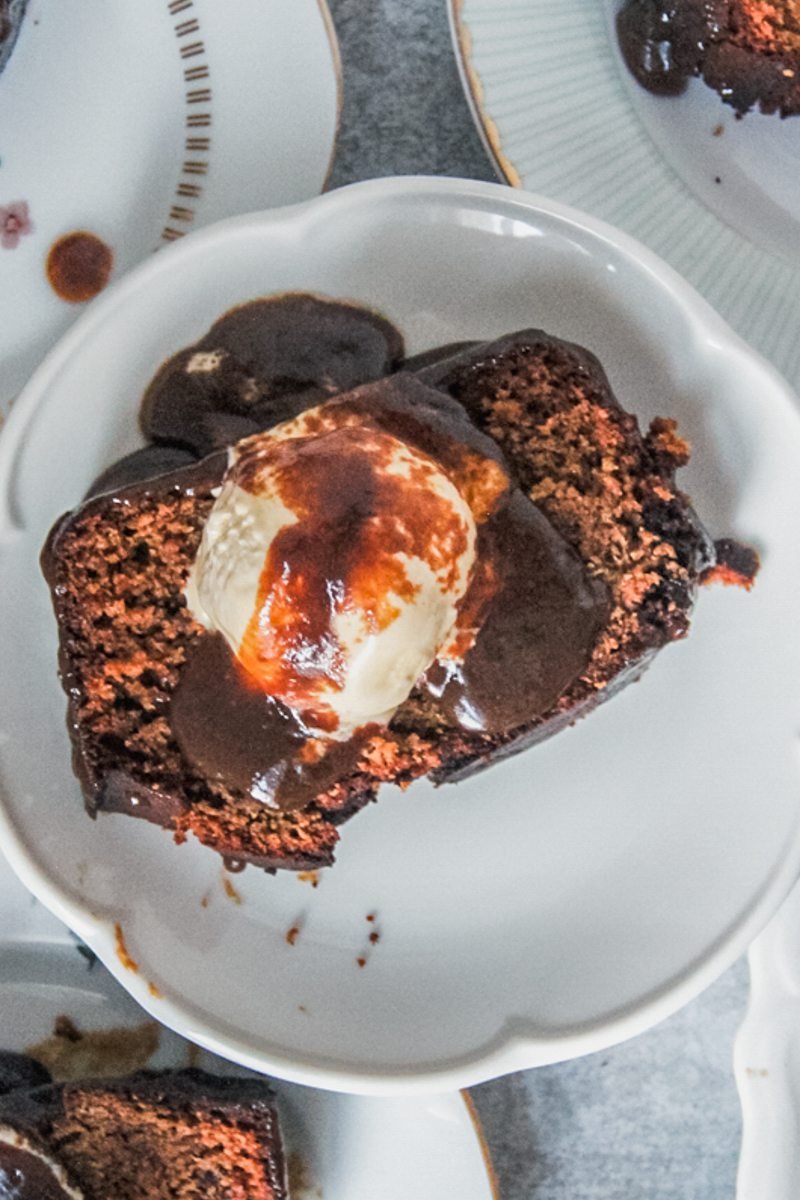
[[560, 115], [140, 120], [557, 903]]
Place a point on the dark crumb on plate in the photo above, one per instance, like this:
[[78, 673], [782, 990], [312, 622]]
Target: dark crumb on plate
[[65, 1027], [737, 565], [84, 951], [293, 934]]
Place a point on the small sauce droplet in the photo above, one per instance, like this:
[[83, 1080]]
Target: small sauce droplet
[[79, 266]]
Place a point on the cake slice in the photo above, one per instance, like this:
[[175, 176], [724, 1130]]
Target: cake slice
[[747, 50], [118, 568], [172, 1135]]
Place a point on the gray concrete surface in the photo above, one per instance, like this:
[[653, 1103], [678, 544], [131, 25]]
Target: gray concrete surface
[[658, 1117]]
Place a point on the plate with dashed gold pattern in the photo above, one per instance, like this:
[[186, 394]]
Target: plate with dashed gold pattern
[[124, 126]]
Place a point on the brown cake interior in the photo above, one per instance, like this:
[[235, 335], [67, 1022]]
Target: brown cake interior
[[119, 565]]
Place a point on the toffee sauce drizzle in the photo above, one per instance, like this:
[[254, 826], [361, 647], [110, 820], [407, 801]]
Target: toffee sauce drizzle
[[25, 1176], [658, 53], [537, 611]]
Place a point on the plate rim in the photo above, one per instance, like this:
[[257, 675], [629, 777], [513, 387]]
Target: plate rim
[[510, 1049], [461, 37]]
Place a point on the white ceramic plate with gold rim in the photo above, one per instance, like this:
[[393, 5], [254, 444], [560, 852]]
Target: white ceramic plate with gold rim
[[557, 903], [560, 114], [137, 122], [338, 1147]]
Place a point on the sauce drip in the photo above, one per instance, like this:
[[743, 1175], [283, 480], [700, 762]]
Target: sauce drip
[[658, 50], [537, 627], [235, 734], [78, 266], [263, 363]]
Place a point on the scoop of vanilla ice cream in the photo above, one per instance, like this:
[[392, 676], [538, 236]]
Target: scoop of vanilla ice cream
[[222, 589], [389, 618]]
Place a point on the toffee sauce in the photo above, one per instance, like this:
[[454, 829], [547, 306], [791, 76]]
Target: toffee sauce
[[537, 611], [659, 50], [25, 1176], [262, 363], [20, 1071]]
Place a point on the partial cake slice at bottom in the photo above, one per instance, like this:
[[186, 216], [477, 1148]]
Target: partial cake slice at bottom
[[173, 1135]]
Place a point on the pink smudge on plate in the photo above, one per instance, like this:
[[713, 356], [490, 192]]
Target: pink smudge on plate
[[14, 223]]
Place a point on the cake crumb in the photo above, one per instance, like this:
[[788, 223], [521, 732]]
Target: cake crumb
[[736, 566], [292, 934], [362, 962], [371, 916], [230, 890], [374, 937], [311, 877], [65, 1027], [130, 964], [302, 1008], [205, 900], [154, 990], [718, 130]]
